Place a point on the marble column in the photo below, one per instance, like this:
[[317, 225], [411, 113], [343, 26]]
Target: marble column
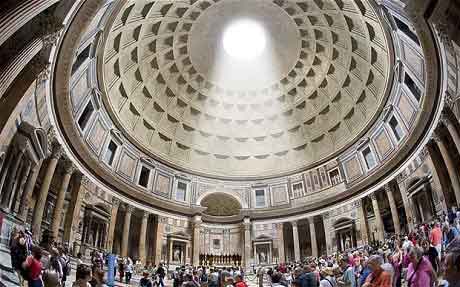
[[407, 206], [451, 170], [56, 154], [363, 226], [314, 243], [282, 256], [452, 130], [327, 233], [143, 238], [59, 206], [378, 218], [112, 224], [196, 240], [24, 175], [26, 197], [159, 239], [295, 236], [10, 180], [126, 227], [247, 242], [72, 218], [393, 208]]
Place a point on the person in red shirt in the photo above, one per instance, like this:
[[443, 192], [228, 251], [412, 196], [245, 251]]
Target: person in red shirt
[[436, 238], [239, 281], [34, 267]]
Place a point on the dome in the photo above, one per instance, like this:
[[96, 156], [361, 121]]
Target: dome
[[319, 81]]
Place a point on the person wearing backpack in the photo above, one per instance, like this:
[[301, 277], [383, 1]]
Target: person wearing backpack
[[65, 263], [33, 268], [204, 278]]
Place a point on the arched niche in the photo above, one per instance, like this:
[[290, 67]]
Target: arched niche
[[221, 204]]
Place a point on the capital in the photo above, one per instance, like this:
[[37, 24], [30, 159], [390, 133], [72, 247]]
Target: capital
[[69, 167], [388, 188], [145, 215], [115, 202], [294, 223], [129, 208], [436, 137], [373, 196]]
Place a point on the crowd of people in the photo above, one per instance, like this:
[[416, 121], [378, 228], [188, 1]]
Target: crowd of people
[[428, 256]]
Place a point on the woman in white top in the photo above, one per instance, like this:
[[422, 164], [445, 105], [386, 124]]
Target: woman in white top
[[327, 278]]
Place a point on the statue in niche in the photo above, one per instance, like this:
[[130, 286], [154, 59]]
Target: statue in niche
[[176, 255]]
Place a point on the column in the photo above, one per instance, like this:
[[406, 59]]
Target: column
[[59, 207], [112, 224], [247, 242], [451, 170], [452, 130], [393, 208], [143, 238], [407, 206], [295, 236], [363, 227], [159, 239], [23, 207], [44, 188], [196, 240], [24, 175], [72, 218], [126, 226], [327, 233], [314, 243], [11, 177], [378, 217], [282, 256]]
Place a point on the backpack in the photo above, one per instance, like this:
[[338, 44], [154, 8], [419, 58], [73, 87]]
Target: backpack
[[204, 277]]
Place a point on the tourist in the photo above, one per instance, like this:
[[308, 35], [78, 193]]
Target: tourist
[[431, 253], [161, 273], [33, 267], [121, 268], [128, 270], [52, 276], [420, 273], [379, 277], [18, 253], [239, 282], [348, 278], [145, 280], [452, 263], [308, 278], [327, 278], [83, 276], [204, 278], [65, 263], [436, 238], [213, 278]]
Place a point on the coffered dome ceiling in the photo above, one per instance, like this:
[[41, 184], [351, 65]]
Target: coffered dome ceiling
[[174, 91]]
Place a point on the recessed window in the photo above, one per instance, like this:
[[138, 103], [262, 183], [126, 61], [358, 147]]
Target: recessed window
[[110, 153], [181, 191], [85, 116], [260, 198], [334, 175], [412, 87], [144, 177], [396, 128], [406, 30], [369, 158], [81, 57], [297, 189]]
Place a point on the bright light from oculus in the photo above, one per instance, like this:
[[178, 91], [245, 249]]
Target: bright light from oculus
[[244, 39]]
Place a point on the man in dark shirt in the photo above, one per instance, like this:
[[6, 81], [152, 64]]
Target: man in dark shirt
[[145, 280], [161, 274], [308, 278], [431, 253]]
